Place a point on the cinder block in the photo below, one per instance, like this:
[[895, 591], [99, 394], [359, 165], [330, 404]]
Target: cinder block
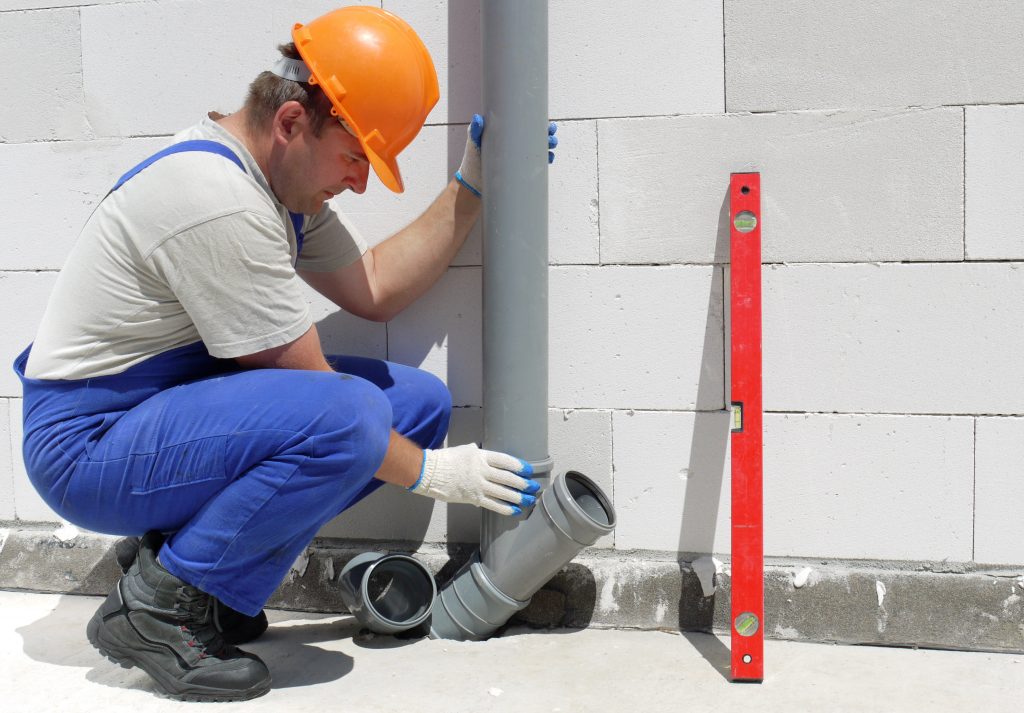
[[636, 337], [25, 294], [390, 514], [573, 209], [805, 54], [51, 190], [869, 487], [43, 97], [343, 333], [451, 30], [894, 338], [582, 441], [837, 186], [6, 464], [644, 58], [187, 58], [429, 163], [28, 506], [672, 481], [441, 334], [999, 490], [995, 182], [582, 37], [857, 487], [6, 5]]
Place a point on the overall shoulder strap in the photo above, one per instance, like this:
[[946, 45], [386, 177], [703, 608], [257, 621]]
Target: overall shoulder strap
[[195, 145], [210, 147]]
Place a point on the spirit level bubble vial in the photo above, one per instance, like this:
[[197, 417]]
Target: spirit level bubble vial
[[746, 432]]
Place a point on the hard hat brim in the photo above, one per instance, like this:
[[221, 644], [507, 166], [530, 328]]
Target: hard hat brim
[[387, 171]]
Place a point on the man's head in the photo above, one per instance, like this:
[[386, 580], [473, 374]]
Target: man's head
[[269, 91], [360, 66]]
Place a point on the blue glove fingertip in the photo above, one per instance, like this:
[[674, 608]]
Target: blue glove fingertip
[[532, 487], [476, 129], [528, 501], [517, 510], [527, 469], [551, 157]]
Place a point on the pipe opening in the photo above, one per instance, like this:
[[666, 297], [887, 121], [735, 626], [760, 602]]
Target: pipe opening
[[590, 498], [399, 591]]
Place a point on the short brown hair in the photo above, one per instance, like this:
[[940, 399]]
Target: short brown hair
[[268, 92]]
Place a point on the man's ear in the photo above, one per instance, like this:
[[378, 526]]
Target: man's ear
[[288, 122]]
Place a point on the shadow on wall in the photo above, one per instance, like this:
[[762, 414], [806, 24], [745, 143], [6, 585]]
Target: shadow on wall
[[388, 513], [704, 472]]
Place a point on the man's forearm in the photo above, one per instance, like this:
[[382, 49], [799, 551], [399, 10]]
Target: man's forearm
[[408, 263]]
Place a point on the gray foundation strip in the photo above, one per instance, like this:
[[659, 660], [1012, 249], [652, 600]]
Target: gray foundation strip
[[928, 605]]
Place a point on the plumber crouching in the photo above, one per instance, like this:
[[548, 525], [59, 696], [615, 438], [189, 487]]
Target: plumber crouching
[[177, 388]]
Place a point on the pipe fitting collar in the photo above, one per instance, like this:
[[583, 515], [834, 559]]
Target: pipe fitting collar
[[387, 593]]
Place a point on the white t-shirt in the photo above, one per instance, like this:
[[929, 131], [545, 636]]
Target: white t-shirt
[[191, 248]]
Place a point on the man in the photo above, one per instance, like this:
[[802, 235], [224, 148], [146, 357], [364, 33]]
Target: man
[[177, 385]]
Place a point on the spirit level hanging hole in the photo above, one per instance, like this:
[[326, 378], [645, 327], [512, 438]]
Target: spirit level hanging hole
[[747, 658], [745, 221], [745, 190], [747, 624]]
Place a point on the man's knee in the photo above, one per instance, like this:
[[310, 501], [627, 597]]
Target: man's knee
[[426, 414]]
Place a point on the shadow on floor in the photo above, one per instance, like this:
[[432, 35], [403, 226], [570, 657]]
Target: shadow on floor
[[290, 647]]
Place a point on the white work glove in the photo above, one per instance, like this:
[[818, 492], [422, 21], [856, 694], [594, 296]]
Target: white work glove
[[467, 474], [470, 173]]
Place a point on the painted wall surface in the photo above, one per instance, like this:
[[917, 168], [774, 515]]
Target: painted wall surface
[[890, 139]]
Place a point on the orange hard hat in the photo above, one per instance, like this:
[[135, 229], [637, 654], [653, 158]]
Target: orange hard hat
[[378, 75]]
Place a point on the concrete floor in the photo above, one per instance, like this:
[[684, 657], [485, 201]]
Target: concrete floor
[[323, 663]]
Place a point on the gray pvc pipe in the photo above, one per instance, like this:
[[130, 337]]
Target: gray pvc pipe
[[387, 593], [517, 555], [570, 515], [515, 232]]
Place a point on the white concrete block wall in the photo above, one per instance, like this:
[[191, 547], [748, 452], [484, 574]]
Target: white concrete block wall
[[44, 102], [808, 54], [999, 489], [838, 186], [995, 182], [6, 463], [888, 136], [46, 214], [924, 338]]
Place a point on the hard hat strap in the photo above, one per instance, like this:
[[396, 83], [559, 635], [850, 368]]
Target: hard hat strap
[[293, 69]]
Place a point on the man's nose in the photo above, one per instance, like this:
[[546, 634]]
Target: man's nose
[[360, 177]]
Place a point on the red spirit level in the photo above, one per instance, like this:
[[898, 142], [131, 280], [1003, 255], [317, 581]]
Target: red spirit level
[[745, 338]]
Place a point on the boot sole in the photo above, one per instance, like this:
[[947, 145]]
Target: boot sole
[[134, 654]]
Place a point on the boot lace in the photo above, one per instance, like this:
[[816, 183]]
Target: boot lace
[[194, 608]]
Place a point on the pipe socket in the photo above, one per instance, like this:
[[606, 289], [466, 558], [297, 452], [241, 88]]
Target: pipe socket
[[387, 593], [570, 515]]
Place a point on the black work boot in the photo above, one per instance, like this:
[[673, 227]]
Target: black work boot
[[164, 626], [236, 627]]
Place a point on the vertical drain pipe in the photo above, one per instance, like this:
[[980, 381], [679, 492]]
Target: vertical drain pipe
[[517, 555], [515, 226]]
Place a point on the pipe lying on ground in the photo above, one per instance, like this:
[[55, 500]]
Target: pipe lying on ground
[[388, 594]]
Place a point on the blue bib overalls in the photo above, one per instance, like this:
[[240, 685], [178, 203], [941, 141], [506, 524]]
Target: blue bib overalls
[[242, 467]]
